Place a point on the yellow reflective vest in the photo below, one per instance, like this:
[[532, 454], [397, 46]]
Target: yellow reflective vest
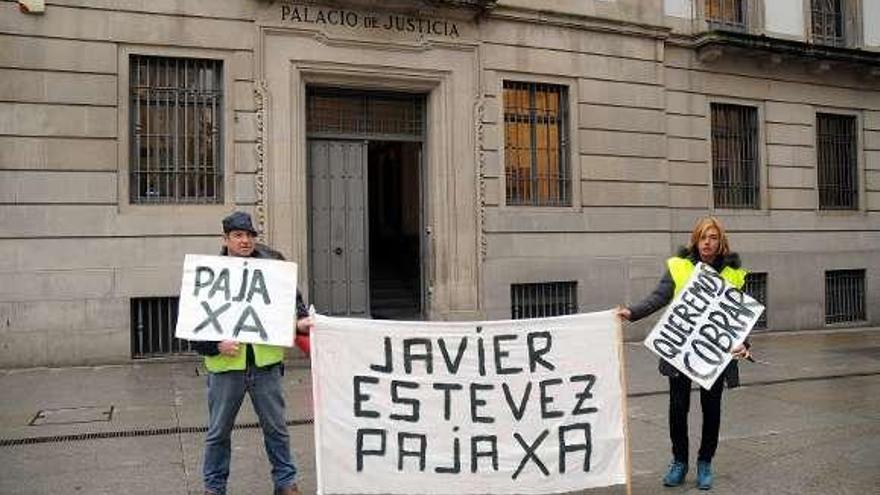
[[681, 268], [264, 355]]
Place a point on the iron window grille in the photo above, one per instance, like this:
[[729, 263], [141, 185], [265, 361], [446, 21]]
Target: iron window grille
[[176, 130], [837, 161], [153, 320], [756, 286], [364, 114], [828, 22], [735, 162], [730, 15], [844, 296], [536, 144], [543, 299]]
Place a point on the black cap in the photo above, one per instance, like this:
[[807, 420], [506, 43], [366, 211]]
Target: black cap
[[238, 220]]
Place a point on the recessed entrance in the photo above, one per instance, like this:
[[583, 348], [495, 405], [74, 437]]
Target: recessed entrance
[[365, 203], [395, 225]]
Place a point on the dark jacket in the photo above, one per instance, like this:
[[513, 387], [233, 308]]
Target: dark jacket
[[209, 348], [662, 295]]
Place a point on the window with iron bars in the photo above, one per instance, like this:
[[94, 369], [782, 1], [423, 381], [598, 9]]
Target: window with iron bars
[[727, 14], [837, 162], [756, 286], [735, 161], [844, 296], [543, 299], [536, 140], [828, 22], [176, 124], [153, 320]]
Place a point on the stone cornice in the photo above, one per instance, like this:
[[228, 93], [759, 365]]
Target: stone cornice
[[714, 40], [713, 46], [464, 9], [577, 21], [481, 5]]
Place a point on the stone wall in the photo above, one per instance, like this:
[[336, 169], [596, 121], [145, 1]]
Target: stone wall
[[72, 249]]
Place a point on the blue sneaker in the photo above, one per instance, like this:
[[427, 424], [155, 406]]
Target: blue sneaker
[[676, 473], [704, 475]]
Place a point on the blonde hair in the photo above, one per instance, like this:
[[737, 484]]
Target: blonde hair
[[701, 227]]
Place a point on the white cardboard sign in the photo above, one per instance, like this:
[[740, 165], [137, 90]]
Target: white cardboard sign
[[496, 407], [231, 298], [702, 324]]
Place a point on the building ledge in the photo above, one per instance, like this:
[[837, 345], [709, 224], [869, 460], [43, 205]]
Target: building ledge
[[713, 45], [475, 4]]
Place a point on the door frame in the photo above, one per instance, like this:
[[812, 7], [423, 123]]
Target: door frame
[[290, 60], [425, 251]]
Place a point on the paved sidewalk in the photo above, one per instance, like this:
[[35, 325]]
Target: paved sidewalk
[[806, 421]]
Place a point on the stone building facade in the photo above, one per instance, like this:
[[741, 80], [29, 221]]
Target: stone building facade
[[437, 159]]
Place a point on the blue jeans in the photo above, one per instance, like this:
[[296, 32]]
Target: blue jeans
[[225, 394]]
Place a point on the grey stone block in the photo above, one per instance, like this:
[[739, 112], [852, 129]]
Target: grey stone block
[[623, 168], [57, 153], [789, 134], [57, 87], [687, 126], [621, 143], [245, 127], [622, 92], [682, 103], [46, 315], [107, 313], [791, 177], [624, 194], [793, 113], [245, 157], [242, 95], [57, 187], [55, 54], [245, 189], [27, 119], [55, 285], [596, 116]]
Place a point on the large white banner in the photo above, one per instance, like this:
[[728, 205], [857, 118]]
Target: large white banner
[[702, 324], [499, 407], [232, 298]]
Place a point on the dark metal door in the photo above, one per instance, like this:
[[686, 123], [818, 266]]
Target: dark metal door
[[338, 221]]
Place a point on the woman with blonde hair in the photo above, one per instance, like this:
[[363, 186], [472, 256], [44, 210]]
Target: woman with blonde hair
[[708, 244]]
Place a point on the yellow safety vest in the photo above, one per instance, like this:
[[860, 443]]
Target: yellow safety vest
[[681, 269], [264, 355]]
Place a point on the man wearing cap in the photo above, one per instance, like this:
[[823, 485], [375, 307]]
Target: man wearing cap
[[235, 368]]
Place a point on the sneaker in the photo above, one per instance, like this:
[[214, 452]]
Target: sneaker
[[676, 473], [704, 475], [290, 490]]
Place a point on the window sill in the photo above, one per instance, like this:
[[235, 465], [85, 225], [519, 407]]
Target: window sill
[[842, 213], [741, 212], [847, 324], [163, 209]]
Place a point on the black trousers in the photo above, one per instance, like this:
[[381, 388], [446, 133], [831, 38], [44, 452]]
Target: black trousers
[[679, 406]]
